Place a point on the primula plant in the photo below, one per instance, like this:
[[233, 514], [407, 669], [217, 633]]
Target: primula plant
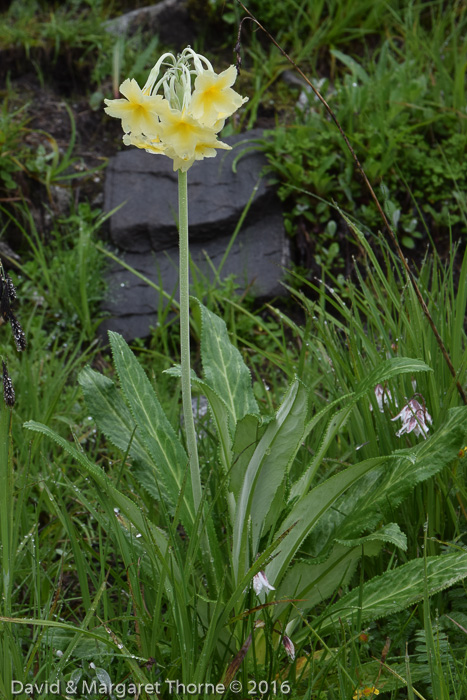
[[226, 562], [182, 124]]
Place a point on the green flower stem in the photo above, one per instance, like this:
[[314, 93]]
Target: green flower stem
[[184, 276]]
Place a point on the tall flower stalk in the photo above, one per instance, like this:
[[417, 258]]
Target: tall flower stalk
[[184, 277], [179, 113]]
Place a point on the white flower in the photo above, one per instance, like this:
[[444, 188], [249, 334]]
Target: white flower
[[289, 647], [414, 418], [260, 582]]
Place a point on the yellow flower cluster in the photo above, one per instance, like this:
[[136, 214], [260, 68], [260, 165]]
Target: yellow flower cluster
[[184, 122], [365, 693]]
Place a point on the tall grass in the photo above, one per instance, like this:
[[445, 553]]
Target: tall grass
[[108, 592]]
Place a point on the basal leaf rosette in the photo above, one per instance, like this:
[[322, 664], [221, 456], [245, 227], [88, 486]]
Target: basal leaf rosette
[[184, 121]]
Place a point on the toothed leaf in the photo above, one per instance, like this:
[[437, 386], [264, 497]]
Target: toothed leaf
[[224, 369], [399, 588], [156, 432]]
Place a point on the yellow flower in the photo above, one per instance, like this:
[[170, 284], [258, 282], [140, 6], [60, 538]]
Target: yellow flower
[[202, 150], [154, 145], [139, 112], [151, 145], [213, 97], [183, 123], [365, 693], [184, 135]]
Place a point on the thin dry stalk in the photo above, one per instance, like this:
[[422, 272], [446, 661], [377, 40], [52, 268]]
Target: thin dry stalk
[[392, 235]]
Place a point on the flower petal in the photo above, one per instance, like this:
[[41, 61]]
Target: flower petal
[[185, 135], [260, 581], [139, 112], [289, 647], [213, 98], [151, 145]]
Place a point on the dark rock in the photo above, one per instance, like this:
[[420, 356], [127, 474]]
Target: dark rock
[[145, 230], [147, 186], [8, 257], [256, 259], [169, 19]]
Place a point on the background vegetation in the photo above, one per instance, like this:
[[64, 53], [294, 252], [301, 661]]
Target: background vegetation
[[395, 74]]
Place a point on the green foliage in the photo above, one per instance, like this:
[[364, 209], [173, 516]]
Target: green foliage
[[354, 325], [71, 44], [63, 276], [265, 495], [400, 588], [305, 27], [35, 154], [74, 25], [12, 128], [224, 370], [59, 287], [401, 114], [104, 557]]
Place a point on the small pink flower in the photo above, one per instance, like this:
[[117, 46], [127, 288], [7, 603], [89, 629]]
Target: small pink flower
[[414, 418], [260, 582], [289, 647], [383, 396]]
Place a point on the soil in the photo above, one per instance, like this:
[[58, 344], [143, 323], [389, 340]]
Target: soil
[[49, 126]]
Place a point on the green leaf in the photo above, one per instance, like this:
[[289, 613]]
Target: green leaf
[[390, 679], [387, 370], [315, 580], [378, 493], [309, 510], [224, 369], [148, 531], [376, 497], [108, 409], [114, 420], [155, 431], [245, 441], [399, 588], [268, 496], [390, 533], [334, 425], [266, 471], [312, 582], [352, 65], [221, 417], [384, 371], [219, 412], [84, 648]]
